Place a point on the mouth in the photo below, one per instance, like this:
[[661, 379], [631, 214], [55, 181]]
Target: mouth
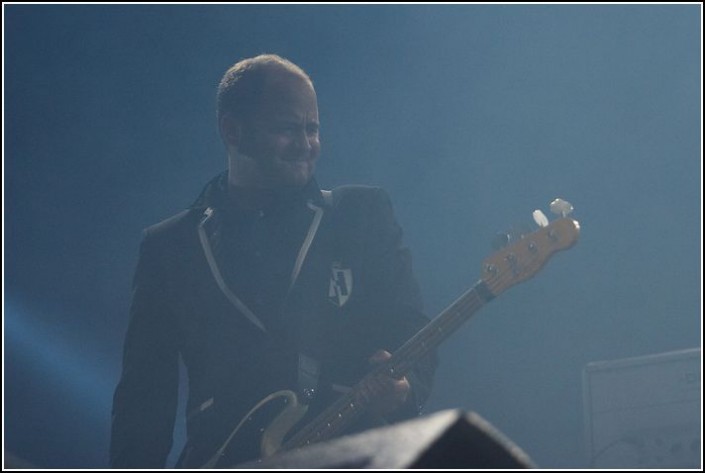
[[297, 160], [297, 171], [299, 164]]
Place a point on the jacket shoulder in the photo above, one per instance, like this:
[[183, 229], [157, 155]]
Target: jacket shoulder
[[359, 195], [182, 224]]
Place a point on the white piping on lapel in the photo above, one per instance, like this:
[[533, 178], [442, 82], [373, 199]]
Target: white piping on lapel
[[219, 277], [303, 251]]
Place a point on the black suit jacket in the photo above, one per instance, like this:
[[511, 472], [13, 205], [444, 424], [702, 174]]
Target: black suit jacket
[[350, 292]]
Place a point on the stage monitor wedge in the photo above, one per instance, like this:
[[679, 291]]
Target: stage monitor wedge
[[449, 439]]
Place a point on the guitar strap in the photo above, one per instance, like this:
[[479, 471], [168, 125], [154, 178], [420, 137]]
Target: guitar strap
[[309, 367], [309, 372]]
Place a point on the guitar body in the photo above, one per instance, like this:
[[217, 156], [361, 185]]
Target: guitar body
[[262, 431]]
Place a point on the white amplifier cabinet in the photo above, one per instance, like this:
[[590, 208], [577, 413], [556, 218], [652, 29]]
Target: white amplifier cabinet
[[644, 412]]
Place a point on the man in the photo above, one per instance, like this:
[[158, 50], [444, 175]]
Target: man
[[265, 284]]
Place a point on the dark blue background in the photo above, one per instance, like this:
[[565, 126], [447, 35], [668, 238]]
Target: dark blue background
[[470, 116]]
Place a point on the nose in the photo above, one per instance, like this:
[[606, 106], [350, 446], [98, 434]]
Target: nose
[[303, 142]]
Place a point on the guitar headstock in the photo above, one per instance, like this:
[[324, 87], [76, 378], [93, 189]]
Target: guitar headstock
[[523, 259]]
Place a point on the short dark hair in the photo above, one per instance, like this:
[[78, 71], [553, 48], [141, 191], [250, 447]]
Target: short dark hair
[[242, 84]]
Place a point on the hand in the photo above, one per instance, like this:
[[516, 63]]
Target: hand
[[383, 392]]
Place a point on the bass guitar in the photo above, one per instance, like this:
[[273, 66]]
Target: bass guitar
[[511, 265]]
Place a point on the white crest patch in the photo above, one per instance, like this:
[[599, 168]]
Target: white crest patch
[[341, 284]]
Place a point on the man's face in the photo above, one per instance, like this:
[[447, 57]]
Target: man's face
[[281, 137]]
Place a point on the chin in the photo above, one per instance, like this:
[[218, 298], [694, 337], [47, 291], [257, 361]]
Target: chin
[[298, 177], [297, 181]]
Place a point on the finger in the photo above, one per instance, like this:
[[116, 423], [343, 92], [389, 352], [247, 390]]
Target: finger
[[380, 356], [402, 388]]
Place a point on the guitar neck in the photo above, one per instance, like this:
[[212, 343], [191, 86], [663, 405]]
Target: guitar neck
[[507, 267], [440, 328], [351, 406]]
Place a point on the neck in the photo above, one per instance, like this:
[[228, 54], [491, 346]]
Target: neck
[[247, 189], [252, 198]]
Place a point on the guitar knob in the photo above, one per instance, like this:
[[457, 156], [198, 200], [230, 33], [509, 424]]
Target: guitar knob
[[561, 207], [540, 218]]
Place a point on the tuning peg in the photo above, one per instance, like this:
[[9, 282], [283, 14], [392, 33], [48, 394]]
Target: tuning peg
[[540, 218], [561, 207]]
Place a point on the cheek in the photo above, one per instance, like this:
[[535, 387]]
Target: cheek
[[279, 144], [254, 144], [268, 149]]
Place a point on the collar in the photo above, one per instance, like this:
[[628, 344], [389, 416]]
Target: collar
[[215, 194]]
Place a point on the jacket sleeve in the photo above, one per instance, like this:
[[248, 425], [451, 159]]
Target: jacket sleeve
[[145, 400], [401, 308]]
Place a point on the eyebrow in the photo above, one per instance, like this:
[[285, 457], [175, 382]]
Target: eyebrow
[[291, 119]]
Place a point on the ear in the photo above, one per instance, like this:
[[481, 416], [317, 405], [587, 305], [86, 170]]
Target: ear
[[229, 130]]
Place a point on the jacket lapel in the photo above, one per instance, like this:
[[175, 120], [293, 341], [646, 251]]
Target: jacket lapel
[[208, 228], [209, 222]]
